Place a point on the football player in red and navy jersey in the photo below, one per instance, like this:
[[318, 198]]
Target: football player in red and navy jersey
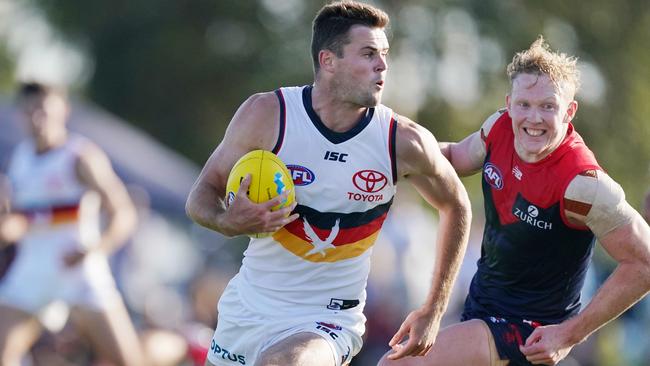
[[546, 200]]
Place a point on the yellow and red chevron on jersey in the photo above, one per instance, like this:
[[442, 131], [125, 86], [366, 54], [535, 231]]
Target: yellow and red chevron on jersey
[[55, 215], [318, 237]]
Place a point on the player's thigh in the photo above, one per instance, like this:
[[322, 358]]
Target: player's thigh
[[18, 332], [300, 349], [462, 344], [110, 331]]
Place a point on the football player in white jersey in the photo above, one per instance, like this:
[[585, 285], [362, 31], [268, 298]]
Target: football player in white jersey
[[337, 113], [59, 182]]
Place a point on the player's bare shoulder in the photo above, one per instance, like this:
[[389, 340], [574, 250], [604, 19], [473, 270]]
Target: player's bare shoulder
[[93, 166], [594, 199], [90, 156], [416, 147], [257, 120]]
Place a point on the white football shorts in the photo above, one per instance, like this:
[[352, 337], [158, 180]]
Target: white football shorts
[[37, 277], [241, 335]]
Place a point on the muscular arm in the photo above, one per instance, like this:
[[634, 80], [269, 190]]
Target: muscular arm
[[626, 237], [254, 126], [467, 156], [420, 161], [595, 200], [95, 171]]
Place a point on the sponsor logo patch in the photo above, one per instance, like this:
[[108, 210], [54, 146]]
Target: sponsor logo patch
[[330, 325], [493, 176], [301, 175], [369, 181], [225, 354], [336, 156], [340, 304], [330, 329], [532, 215]]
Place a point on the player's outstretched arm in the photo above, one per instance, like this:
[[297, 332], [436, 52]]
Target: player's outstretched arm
[[254, 126], [468, 155], [626, 237], [420, 161]]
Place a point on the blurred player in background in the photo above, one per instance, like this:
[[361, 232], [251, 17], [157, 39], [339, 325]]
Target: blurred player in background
[[299, 295], [546, 199], [51, 211]]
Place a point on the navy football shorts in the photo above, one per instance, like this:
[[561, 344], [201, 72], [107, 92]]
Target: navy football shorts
[[508, 334]]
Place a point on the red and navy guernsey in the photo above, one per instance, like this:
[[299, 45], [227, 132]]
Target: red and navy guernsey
[[533, 261]]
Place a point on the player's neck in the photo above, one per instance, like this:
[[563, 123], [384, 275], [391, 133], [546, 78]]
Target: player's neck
[[337, 115], [49, 143]]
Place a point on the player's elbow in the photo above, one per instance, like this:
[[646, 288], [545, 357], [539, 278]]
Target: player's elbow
[[460, 209], [445, 149], [195, 208], [465, 208], [643, 265], [130, 218], [640, 263], [191, 207]]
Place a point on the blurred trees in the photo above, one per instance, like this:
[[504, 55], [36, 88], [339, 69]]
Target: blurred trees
[[179, 69]]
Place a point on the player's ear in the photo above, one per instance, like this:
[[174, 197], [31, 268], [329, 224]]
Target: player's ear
[[572, 108], [326, 59]]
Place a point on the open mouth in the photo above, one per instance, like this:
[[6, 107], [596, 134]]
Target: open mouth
[[534, 132]]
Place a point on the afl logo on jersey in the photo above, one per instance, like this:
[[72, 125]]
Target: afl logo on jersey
[[493, 176], [369, 181], [301, 175]]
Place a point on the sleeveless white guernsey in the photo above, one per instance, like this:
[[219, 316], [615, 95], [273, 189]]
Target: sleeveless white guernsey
[[344, 185], [63, 216], [47, 190]]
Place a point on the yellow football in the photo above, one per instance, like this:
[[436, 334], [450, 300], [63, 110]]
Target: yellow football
[[269, 178]]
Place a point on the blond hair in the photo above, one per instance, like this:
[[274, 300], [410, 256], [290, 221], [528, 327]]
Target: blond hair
[[539, 59]]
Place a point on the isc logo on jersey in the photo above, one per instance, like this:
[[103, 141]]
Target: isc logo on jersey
[[301, 175], [493, 176]]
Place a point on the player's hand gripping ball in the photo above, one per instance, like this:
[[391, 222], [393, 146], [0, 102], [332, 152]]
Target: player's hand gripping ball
[[269, 178]]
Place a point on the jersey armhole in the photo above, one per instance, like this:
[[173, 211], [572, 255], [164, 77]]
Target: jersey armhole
[[283, 122], [391, 146]]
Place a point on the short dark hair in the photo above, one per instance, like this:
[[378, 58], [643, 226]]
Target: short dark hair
[[333, 21], [28, 89]]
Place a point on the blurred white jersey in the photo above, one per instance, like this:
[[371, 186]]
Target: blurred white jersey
[[47, 190], [63, 216], [344, 186]]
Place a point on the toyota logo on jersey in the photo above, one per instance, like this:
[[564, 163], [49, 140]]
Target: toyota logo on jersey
[[369, 181]]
